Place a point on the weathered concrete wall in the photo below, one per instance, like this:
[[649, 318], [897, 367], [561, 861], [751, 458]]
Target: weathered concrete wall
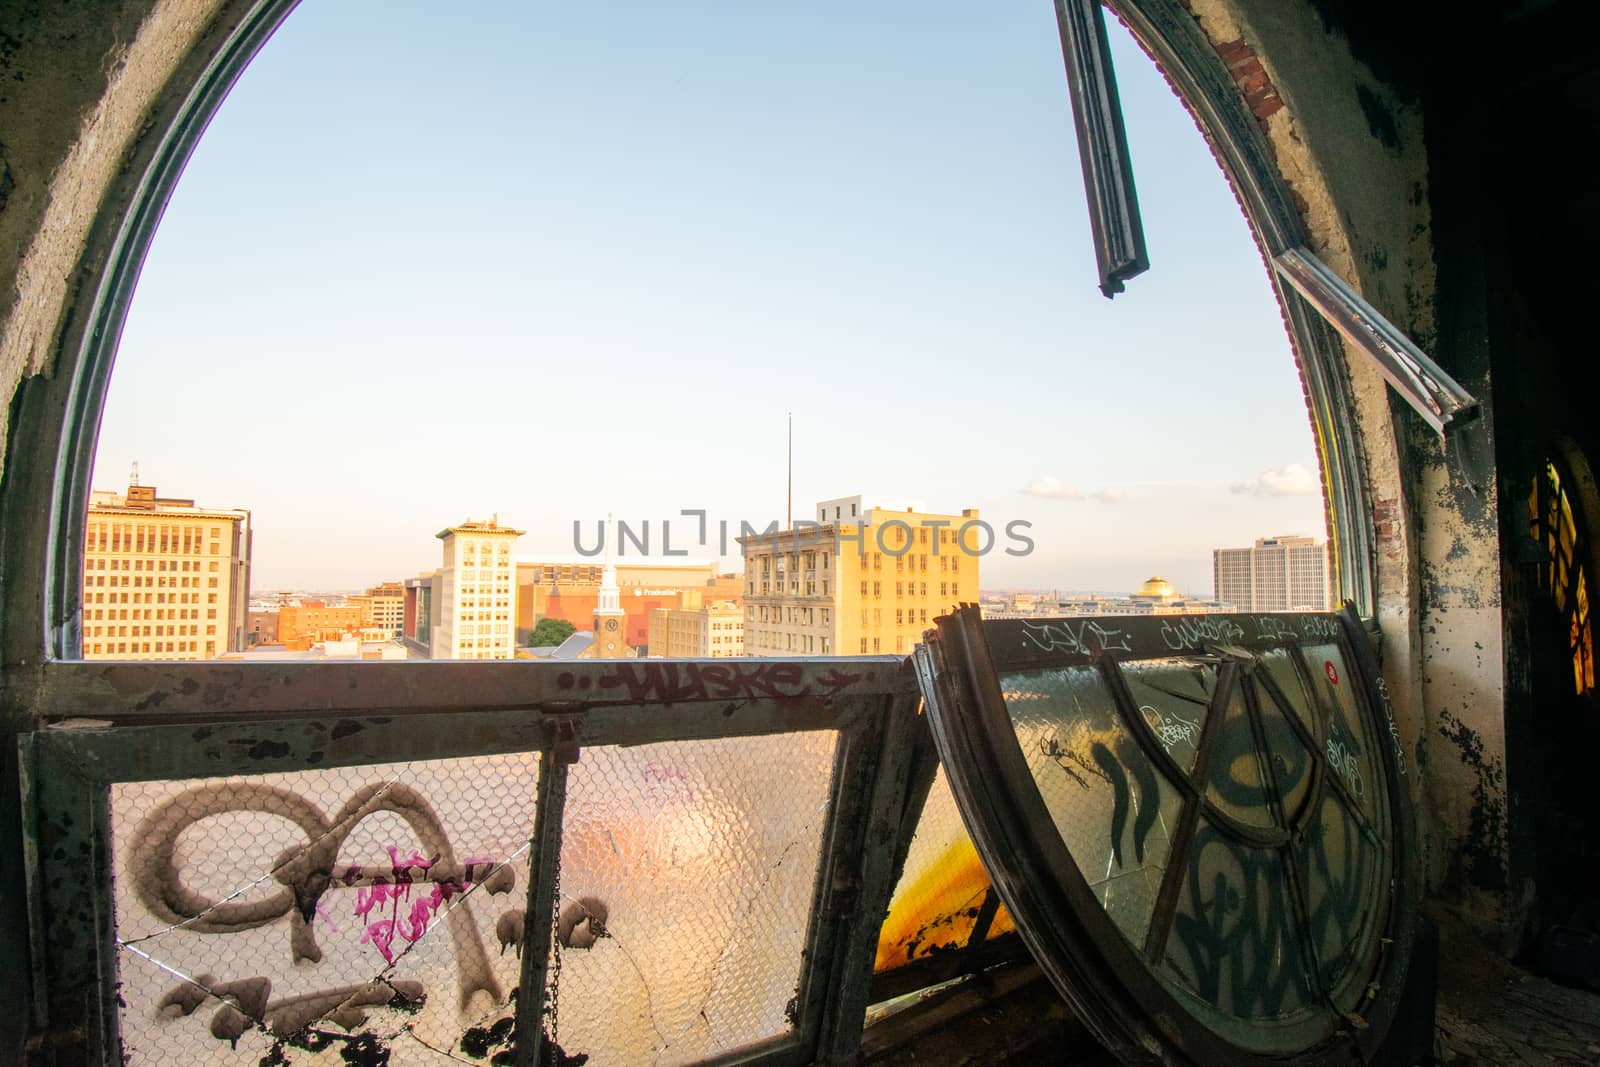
[[1352, 146], [81, 82]]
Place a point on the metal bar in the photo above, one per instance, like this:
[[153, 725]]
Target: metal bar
[[544, 865], [1291, 852], [1166, 906], [865, 872], [212, 749], [32, 859], [1108, 184], [185, 692], [1421, 382]]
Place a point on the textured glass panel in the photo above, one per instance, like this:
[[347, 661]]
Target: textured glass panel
[[1343, 872], [1346, 746], [687, 873], [1233, 941], [1109, 804], [1235, 779], [941, 889], [1280, 665], [1173, 695], [1290, 761], [345, 909]]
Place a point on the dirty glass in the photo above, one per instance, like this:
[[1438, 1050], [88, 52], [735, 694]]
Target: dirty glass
[[322, 916], [936, 902], [1113, 808], [1347, 742], [1234, 942], [686, 882], [1172, 696]]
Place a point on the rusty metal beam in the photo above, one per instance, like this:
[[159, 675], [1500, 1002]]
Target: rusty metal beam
[[150, 692]]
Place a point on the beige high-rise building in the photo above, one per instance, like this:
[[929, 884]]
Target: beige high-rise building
[[716, 630], [383, 607], [163, 578], [862, 580], [1275, 574], [477, 591]]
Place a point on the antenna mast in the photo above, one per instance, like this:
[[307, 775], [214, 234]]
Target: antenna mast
[[788, 503]]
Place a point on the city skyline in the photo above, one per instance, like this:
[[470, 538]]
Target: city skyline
[[670, 233]]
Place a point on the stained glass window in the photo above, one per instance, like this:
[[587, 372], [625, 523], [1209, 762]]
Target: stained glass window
[[1565, 575]]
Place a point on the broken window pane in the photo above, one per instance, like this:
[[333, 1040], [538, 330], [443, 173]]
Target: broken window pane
[[941, 890], [356, 908], [687, 873]]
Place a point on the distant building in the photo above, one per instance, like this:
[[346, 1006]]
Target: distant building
[[1275, 574], [310, 621], [861, 580], [162, 578], [716, 630], [383, 607], [477, 593], [261, 628], [570, 591]]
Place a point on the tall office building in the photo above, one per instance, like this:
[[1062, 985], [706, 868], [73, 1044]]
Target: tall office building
[[477, 593], [162, 578], [860, 580], [1275, 574]]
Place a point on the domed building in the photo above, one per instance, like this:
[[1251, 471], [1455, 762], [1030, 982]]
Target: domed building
[[1155, 588]]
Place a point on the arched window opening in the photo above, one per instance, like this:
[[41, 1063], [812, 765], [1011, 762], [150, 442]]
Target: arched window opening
[[1136, 429], [1558, 528]]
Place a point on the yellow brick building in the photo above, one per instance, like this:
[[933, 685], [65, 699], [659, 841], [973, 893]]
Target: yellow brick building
[[859, 581], [162, 578]]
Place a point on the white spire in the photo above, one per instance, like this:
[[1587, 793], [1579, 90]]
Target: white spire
[[610, 598]]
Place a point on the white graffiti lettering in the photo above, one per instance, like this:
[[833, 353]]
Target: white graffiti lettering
[[1062, 635], [1344, 761], [1171, 729], [1394, 730], [1181, 633], [1318, 626]]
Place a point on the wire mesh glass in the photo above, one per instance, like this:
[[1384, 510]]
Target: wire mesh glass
[[315, 916], [687, 875]]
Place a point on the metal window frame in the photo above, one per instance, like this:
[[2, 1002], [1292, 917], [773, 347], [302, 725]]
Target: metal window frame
[[1102, 975], [882, 769]]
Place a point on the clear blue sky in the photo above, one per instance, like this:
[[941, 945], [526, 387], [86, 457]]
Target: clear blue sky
[[555, 260]]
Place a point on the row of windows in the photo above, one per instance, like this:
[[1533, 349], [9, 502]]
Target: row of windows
[[151, 598], [97, 563], [98, 614], [124, 647], [903, 589], [145, 631]]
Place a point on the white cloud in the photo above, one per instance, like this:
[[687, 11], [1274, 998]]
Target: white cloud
[[1293, 479], [1054, 489]]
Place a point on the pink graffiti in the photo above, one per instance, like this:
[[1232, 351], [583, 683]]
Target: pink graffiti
[[412, 924]]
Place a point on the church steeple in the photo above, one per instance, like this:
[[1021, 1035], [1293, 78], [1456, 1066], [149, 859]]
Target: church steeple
[[610, 621], [610, 597]]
